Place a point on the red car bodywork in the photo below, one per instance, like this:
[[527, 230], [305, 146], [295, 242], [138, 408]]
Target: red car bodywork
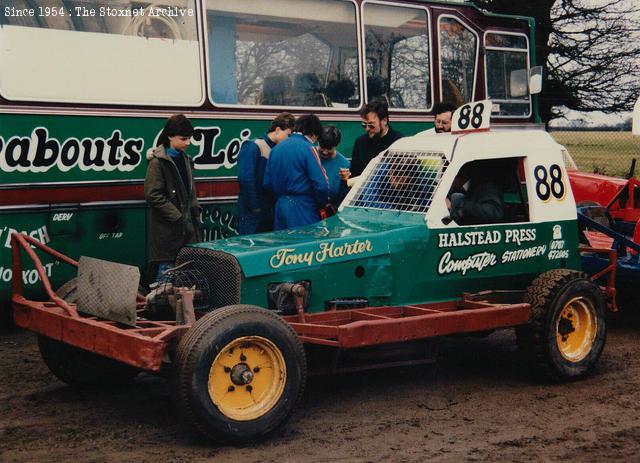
[[594, 187], [611, 192]]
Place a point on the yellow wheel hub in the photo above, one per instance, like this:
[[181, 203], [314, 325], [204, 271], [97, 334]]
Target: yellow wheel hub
[[576, 329], [247, 378]]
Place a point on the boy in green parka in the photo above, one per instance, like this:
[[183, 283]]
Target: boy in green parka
[[170, 193]]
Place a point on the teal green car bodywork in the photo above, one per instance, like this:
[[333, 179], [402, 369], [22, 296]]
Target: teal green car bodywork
[[392, 258]]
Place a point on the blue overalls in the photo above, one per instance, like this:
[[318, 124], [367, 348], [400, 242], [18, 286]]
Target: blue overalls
[[296, 177]]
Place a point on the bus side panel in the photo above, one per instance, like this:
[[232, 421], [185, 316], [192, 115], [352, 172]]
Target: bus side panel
[[110, 233], [34, 223]]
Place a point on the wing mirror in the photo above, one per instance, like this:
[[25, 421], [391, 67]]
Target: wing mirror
[[535, 80], [523, 83]]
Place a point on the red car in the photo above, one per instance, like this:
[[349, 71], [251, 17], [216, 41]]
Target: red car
[[611, 192]]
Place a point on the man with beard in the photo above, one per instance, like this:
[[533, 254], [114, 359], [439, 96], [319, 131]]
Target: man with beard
[[443, 112], [378, 137]]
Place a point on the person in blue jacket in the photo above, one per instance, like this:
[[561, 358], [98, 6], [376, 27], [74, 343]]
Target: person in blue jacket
[[255, 205], [296, 177], [334, 163]]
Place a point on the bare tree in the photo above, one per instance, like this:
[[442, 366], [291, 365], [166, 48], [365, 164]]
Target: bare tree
[[590, 49], [409, 75], [257, 60]]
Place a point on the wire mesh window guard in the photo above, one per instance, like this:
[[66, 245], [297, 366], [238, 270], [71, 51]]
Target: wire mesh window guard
[[401, 181]]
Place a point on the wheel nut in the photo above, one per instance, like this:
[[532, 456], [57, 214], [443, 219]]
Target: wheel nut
[[243, 358], [231, 389], [249, 388], [227, 369], [256, 370]]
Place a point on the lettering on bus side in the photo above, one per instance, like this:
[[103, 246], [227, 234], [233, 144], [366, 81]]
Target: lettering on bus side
[[41, 234], [218, 222], [29, 277], [39, 153], [205, 139]]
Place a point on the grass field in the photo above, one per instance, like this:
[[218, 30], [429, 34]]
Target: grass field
[[603, 152]]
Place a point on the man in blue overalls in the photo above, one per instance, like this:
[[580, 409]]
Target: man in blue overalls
[[296, 177], [255, 206]]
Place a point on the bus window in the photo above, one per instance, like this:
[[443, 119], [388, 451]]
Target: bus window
[[397, 50], [458, 55], [279, 53], [506, 55], [118, 51]]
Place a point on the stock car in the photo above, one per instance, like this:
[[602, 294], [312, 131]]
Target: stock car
[[392, 267]]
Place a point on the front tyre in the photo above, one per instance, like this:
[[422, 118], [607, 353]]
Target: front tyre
[[567, 331], [239, 372]]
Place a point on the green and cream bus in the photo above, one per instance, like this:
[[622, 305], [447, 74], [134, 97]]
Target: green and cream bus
[[86, 85]]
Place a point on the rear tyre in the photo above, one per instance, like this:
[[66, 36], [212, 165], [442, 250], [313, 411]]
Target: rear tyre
[[77, 367], [239, 372], [83, 369], [567, 331], [628, 301], [69, 291]]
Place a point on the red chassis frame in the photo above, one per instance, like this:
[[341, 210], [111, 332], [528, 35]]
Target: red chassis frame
[[145, 345]]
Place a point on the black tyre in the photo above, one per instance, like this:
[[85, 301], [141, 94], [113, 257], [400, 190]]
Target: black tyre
[[567, 331], [588, 203], [83, 369], [69, 291], [78, 367], [239, 372], [628, 301], [597, 213]]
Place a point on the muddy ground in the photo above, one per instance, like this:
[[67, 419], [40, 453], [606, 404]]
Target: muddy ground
[[478, 403]]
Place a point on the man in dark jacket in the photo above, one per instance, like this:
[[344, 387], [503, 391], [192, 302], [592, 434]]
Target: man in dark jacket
[[255, 204], [379, 136], [170, 192], [476, 196]]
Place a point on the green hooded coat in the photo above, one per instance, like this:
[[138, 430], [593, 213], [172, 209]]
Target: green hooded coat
[[173, 213]]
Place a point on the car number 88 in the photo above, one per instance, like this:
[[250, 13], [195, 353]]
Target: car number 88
[[549, 182]]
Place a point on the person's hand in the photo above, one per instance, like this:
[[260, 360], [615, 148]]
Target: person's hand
[[455, 206], [448, 203], [344, 174]]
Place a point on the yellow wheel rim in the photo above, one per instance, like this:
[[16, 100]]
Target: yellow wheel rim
[[247, 378], [576, 329]]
